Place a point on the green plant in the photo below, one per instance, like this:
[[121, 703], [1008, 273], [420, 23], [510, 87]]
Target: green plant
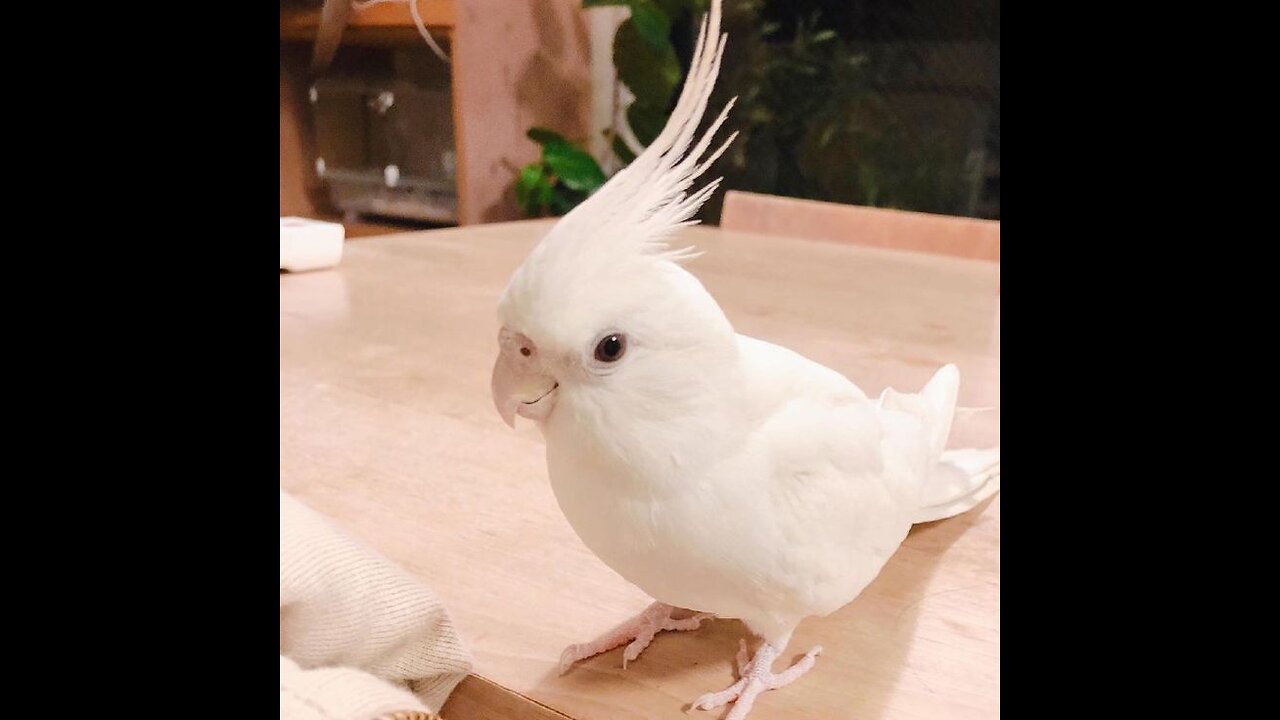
[[650, 53], [840, 101], [564, 177]]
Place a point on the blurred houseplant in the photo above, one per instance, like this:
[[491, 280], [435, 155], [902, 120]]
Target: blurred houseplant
[[884, 103], [651, 53]]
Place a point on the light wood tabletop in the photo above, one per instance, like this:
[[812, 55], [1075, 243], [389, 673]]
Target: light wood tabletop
[[387, 427]]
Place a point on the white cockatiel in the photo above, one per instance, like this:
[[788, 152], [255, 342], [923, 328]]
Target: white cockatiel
[[721, 474]]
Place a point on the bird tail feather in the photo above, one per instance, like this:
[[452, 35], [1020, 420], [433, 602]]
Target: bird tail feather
[[960, 479], [935, 405]]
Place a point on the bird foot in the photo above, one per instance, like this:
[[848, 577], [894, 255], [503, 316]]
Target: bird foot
[[755, 676], [638, 632]]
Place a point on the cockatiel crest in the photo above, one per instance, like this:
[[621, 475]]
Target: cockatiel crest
[[636, 212], [609, 254]]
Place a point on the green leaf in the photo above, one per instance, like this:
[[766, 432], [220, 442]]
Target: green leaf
[[576, 169], [645, 121], [528, 187], [622, 151], [542, 194], [524, 184], [650, 73], [562, 200], [652, 23], [542, 136], [673, 9]]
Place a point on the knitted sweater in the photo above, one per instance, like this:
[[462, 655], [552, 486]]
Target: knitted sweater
[[359, 636]]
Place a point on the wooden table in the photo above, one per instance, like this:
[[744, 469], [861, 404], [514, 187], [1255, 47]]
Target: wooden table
[[386, 426]]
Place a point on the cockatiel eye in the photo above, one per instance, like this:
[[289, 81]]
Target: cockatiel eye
[[611, 347]]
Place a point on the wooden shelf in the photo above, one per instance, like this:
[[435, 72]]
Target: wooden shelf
[[497, 49], [387, 21]]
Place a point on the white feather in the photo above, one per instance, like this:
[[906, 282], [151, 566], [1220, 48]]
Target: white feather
[[639, 208]]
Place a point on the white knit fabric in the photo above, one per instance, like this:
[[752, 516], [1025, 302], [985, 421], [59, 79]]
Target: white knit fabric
[[339, 693], [359, 636]]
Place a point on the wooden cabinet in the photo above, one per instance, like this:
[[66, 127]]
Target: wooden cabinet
[[514, 64], [390, 22]]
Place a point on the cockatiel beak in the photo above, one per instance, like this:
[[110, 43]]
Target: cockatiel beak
[[521, 385]]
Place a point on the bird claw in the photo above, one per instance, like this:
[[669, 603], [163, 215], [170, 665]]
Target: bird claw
[[636, 634], [638, 645], [755, 677], [692, 622], [569, 657], [713, 700]]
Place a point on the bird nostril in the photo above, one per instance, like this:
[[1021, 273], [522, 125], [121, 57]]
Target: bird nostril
[[526, 351]]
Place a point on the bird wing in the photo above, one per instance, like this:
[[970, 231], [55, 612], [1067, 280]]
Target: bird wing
[[819, 495], [773, 375], [805, 515]]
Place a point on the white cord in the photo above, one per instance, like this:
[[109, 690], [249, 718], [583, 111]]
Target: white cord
[[417, 20]]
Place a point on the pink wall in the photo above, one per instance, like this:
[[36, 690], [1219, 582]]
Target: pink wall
[[517, 63]]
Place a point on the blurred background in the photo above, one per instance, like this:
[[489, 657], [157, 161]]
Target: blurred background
[[396, 115]]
